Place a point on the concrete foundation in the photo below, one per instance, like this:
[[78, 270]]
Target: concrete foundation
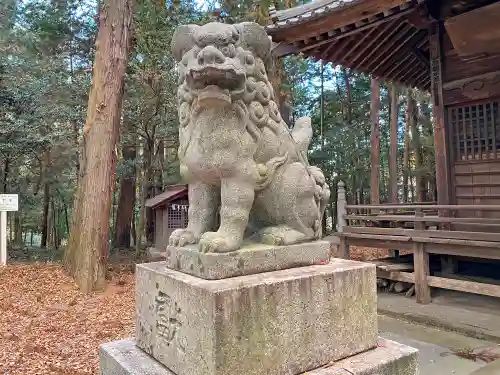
[[388, 358]]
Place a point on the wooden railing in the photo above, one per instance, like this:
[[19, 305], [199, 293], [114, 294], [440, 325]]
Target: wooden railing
[[423, 228], [427, 214]]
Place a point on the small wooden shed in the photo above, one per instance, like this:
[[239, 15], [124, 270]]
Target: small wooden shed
[[170, 212]]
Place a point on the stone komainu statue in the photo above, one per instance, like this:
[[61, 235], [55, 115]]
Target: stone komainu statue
[[236, 153]]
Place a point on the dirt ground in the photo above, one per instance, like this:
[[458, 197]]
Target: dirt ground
[[369, 253], [48, 327]]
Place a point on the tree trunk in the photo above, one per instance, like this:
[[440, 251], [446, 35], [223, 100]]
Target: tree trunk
[[11, 228], [417, 149], [74, 125], [160, 163], [50, 226], [66, 218], [428, 154], [70, 258], [356, 182], [146, 186], [18, 237], [133, 234], [5, 175], [126, 203], [55, 226], [45, 217], [333, 204], [89, 237], [375, 142], [150, 193], [406, 157], [393, 153]]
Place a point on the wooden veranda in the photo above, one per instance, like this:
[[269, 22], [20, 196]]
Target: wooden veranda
[[452, 49]]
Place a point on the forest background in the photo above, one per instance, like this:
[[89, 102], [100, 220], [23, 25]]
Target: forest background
[[47, 52]]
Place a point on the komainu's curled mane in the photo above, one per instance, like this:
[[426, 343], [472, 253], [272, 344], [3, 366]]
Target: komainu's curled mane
[[236, 152]]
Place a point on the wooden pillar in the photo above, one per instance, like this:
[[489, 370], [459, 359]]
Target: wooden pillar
[[421, 271], [341, 222], [393, 156], [375, 142], [421, 266], [440, 136], [341, 210]]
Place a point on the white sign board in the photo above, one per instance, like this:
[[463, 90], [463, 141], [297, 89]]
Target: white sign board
[[9, 202]]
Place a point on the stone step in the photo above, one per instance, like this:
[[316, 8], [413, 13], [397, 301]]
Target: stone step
[[388, 358]]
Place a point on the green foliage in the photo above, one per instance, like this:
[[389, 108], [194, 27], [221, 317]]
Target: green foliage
[[45, 84], [46, 56]]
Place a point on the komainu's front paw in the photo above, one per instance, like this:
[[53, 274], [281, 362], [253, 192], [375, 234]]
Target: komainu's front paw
[[215, 242], [181, 237]]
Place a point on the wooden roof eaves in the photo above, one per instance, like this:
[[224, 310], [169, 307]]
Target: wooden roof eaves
[[412, 67], [352, 15], [326, 52], [398, 63], [393, 31], [335, 35], [296, 11], [395, 69], [412, 37], [283, 49], [415, 80], [340, 48]]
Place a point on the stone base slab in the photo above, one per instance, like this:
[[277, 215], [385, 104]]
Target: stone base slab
[[252, 258], [388, 358], [274, 323]]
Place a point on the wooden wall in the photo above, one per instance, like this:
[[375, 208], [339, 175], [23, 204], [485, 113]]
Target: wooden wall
[[471, 95], [466, 79], [167, 220], [474, 146], [478, 183]]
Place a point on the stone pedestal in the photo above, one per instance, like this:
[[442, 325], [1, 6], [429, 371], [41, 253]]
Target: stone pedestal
[[251, 259], [388, 358], [300, 317], [282, 322]]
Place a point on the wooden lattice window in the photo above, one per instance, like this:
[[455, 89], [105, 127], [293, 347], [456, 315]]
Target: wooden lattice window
[[475, 131], [177, 214]]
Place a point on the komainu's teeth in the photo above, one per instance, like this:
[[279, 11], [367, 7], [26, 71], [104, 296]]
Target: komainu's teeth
[[224, 79]]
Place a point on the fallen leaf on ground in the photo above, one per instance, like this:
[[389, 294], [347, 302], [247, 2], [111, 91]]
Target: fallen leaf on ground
[[362, 253], [48, 327]]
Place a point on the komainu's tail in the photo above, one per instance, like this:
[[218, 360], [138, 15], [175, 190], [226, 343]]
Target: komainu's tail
[[321, 195], [302, 134]]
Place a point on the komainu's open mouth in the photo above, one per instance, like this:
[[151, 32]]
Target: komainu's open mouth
[[210, 76]]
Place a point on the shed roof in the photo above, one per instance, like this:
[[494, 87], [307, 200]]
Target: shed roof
[[172, 192]]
